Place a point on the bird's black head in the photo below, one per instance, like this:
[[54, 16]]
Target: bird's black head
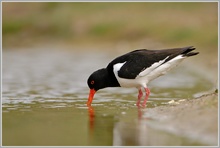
[[97, 80]]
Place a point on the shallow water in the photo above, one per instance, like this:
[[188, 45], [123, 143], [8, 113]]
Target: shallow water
[[44, 99]]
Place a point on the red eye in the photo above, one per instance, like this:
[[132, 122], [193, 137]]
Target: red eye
[[92, 82]]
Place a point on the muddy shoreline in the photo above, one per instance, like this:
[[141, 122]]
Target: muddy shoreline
[[193, 118]]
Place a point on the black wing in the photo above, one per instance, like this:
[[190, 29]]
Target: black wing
[[139, 60]]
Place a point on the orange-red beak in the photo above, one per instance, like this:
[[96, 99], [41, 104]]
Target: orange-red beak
[[91, 95]]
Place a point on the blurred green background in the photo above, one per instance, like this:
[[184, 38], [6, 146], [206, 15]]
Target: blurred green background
[[93, 24]]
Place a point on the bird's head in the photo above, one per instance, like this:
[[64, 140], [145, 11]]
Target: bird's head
[[96, 81]]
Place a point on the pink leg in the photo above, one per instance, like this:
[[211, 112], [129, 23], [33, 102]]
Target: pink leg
[[146, 97], [140, 94]]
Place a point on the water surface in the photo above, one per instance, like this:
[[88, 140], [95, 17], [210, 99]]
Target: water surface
[[44, 99]]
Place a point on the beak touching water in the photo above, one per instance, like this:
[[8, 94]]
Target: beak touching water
[[91, 95]]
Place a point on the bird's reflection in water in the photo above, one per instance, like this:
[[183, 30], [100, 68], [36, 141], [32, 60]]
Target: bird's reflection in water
[[91, 116], [105, 130], [103, 125]]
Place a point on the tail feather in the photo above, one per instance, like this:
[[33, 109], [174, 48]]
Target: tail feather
[[188, 53]]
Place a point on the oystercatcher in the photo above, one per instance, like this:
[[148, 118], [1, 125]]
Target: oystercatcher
[[136, 69]]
